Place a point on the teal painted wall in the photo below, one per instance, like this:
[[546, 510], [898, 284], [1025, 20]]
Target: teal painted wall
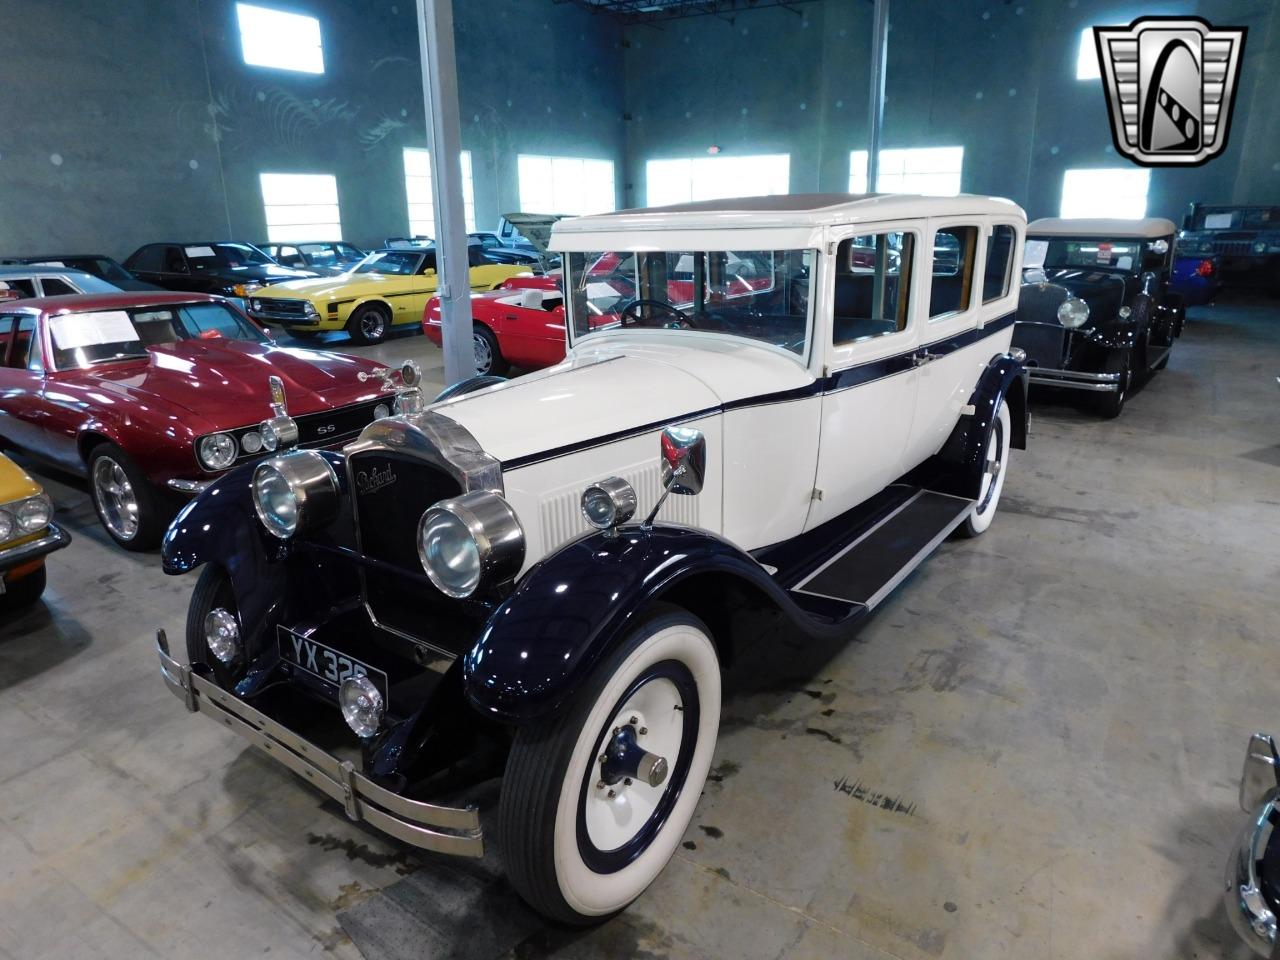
[[137, 120]]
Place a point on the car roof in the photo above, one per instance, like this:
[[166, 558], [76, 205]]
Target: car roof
[[789, 210], [105, 301], [19, 270], [25, 258], [1147, 227]]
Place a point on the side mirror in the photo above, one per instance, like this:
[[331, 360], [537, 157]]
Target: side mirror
[[684, 460]]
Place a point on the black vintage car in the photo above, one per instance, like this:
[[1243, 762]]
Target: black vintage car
[[228, 269], [1096, 313]]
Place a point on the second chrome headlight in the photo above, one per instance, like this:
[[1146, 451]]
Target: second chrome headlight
[[1073, 312], [470, 541], [294, 492]]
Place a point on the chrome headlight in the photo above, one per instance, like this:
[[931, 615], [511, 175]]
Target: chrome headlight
[[7, 525], [217, 451], [470, 541], [1073, 312], [1260, 246], [278, 433], [294, 493], [361, 704], [609, 503], [33, 514]]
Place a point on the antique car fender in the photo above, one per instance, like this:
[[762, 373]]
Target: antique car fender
[[1005, 379], [573, 606]]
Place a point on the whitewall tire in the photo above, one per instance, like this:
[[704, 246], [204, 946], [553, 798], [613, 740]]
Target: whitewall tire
[[582, 832], [995, 459]]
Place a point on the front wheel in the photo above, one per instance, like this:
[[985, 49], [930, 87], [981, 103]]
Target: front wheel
[[596, 799], [23, 593], [369, 324], [128, 505], [214, 635], [1111, 405], [489, 358], [995, 464]]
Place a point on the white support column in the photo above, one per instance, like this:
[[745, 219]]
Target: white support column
[[875, 111], [444, 140]]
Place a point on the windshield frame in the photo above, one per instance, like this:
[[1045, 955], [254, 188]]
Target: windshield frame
[[369, 258], [570, 260], [56, 354], [1136, 270], [219, 260]]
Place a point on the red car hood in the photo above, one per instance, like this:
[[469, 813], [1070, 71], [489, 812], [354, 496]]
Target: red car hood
[[225, 381]]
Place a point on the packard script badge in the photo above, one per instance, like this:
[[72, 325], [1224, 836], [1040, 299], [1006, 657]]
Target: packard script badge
[[1170, 83]]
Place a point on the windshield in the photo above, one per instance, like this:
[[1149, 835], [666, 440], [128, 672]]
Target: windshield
[[102, 336], [398, 262], [213, 256], [761, 295], [1126, 256]]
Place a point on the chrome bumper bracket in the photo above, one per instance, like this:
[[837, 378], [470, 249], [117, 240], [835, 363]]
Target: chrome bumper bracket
[[1075, 379], [451, 830]]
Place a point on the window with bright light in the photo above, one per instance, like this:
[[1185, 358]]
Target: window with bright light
[[714, 178], [301, 207], [1087, 57], [1105, 192], [417, 186], [575, 186], [276, 38], [934, 171]]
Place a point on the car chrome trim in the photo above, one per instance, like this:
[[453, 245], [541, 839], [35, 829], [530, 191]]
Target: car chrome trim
[[451, 830], [188, 486], [1260, 777], [1075, 379], [55, 539], [1251, 915]]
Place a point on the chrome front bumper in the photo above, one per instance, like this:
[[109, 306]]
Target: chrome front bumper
[[55, 539], [1075, 379], [449, 830], [1248, 909]]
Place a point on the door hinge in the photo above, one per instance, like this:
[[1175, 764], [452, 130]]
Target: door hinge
[[817, 494], [968, 410]]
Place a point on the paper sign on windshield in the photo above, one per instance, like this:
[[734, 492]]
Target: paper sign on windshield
[[74, 330], [200, 252]]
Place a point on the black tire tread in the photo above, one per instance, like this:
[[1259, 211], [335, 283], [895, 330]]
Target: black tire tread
[[152, 513], [25, 592], [353, 323], [499, 365]]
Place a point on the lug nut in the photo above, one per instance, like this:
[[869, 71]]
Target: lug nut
[[612, 794], [643, 731], [626, 781], [633, 721], [600, 785]]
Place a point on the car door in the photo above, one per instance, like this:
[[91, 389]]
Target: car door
[[409, 307], [147, 264], [175, 272], [21, 382], [969, 299], [869, 395]]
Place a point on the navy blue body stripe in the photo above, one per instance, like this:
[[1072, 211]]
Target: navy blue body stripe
[[840, 380]]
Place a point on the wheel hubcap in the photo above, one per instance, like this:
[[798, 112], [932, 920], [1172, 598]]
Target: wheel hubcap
[[484, 356], [632, 764], [116, 498], [993, 466], [371, 325]]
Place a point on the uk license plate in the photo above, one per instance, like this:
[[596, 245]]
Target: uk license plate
[[324, 662]]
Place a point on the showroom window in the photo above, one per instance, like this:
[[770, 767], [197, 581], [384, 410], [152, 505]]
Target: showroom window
[[574, 186], [934, 171], [714, 178], [417, 187], [952, 287], [1105, 192], [996, 275], [301, 206], [1087, 57], [872, 286], [277, 38]]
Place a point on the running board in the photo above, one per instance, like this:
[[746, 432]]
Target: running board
[[865, 571]]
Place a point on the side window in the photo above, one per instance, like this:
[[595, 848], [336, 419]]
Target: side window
[[25, 286], [174, 261], [148, 259], [6, 338], [290, 257], [872, 286], [953, 254], [995, 278], [23, 338], [53, 287]]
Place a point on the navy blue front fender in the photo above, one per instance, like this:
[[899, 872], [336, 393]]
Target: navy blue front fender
[[574, 605], [1003, 381]]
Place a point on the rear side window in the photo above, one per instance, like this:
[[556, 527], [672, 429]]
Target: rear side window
[[872, 286], [23, 340], [150, 259], [953, 253], [995, 278], [53, 287], [25, 286]]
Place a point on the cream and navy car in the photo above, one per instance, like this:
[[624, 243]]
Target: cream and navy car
[[541, 578]]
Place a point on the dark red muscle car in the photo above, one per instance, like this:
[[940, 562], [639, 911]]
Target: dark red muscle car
[[146, 394]]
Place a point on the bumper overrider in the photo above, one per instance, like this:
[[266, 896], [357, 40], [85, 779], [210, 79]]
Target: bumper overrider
[[1251, 883], [449, 830], [54, 538]]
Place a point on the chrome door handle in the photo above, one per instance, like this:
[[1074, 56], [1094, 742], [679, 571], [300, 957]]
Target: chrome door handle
[[922, 357]]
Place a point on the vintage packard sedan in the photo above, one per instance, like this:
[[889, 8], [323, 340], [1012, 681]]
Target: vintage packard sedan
[[153, 395], [541, 578], [1096, 312], [1253, 867]]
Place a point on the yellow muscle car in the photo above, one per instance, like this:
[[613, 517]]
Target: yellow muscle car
[[387, 288], [27, 535]]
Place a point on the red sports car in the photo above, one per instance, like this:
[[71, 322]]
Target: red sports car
[[147, 393], [520, 326]]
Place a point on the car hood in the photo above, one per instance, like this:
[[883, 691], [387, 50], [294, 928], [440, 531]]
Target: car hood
[[619, 389], [344, 285], [260, 272], [1104, 292], [15, 484], [226, 381]]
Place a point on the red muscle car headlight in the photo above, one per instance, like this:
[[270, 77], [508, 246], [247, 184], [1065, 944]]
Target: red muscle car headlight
[[217, 451]]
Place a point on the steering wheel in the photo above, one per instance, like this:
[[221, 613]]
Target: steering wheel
[[630, 315]]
